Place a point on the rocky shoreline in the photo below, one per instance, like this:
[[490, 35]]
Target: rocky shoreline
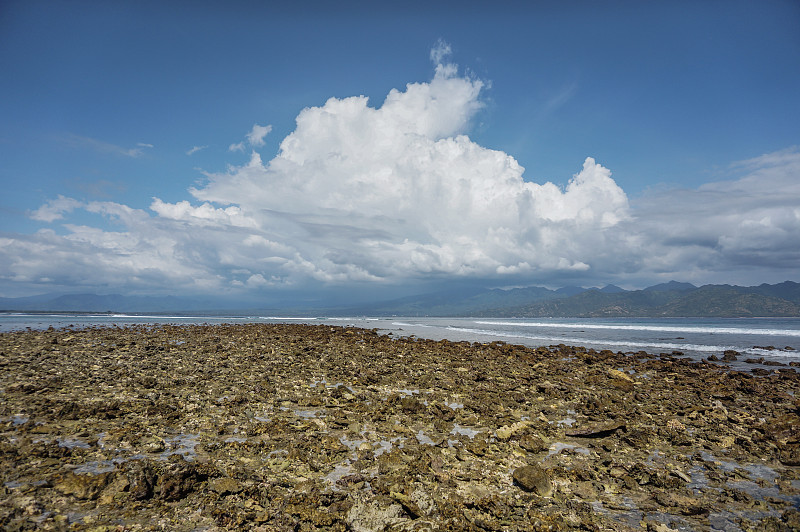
[[299, 427]]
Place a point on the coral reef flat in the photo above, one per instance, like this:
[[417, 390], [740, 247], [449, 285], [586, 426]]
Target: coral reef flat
[[300, 427]]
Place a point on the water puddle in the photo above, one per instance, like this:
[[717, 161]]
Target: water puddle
[[99, 466], [183, 444], [672, 521], [760, 492], [557, 447], [15, 484], [761, 472], [699, 480], [423, 438], [353, 445], [309, 413], [469, 432], [71, 443], [338, 473], [754, 471], [16, 420], [385, 446]]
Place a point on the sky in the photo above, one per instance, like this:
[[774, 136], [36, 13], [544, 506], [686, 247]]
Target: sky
[[357, 151]]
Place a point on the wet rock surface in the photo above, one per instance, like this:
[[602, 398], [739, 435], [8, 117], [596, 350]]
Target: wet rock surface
[[297, 427]]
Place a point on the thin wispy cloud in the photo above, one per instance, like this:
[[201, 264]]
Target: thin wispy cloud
[[440, 51], [55, 209], [106, 147], [195, 149], [97, 188], [560, 98]]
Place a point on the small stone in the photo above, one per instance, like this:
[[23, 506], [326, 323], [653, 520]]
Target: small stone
[[534, 479], [532, 443], [730, 355], [617, 374], [506, 432]]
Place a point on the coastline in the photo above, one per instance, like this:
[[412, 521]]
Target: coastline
[[269, 426]]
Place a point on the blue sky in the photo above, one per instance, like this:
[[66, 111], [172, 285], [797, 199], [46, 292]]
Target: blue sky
[[204, 148]]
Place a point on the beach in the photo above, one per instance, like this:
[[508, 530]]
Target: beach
[[306, 427]]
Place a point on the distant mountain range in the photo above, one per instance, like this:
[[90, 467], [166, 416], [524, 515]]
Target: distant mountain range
[[672, 299]]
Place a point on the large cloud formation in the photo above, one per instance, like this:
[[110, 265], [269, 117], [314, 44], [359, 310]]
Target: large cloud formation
[[399, 193], [732, 228]]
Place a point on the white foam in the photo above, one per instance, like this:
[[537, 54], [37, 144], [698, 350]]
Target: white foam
[[590, 341], [655, 328]]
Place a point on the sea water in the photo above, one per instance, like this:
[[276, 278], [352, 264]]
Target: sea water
[[774, 339]]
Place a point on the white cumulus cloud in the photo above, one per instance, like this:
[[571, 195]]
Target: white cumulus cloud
[[55, 209], [257, 134], [255, 138], [399, 190]]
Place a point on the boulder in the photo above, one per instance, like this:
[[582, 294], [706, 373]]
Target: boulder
[[534, 479]]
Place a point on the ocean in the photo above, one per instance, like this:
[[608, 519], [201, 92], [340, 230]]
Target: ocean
[[774, 339]]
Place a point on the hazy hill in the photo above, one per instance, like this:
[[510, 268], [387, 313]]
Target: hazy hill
[[671, 299], [459, 302], [665, 301]]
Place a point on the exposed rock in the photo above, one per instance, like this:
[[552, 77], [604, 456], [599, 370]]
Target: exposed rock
[[532, 443], [82, 486], [224, 486], [601, 430], [506, 432], [533, 478], [293, 427], [730, 355], [617, 374], [372, 517], [141, 479]]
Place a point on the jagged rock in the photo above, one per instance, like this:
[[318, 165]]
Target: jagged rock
[[532, 443], [141, 479], [85, 486], [730, 355], [506, 432], [369, 516], [224, 486], [601, 430], [684, 504], [178, 479]]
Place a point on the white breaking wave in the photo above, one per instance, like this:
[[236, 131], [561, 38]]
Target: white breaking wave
[[644, 346], [656, 328], [403, 324]]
